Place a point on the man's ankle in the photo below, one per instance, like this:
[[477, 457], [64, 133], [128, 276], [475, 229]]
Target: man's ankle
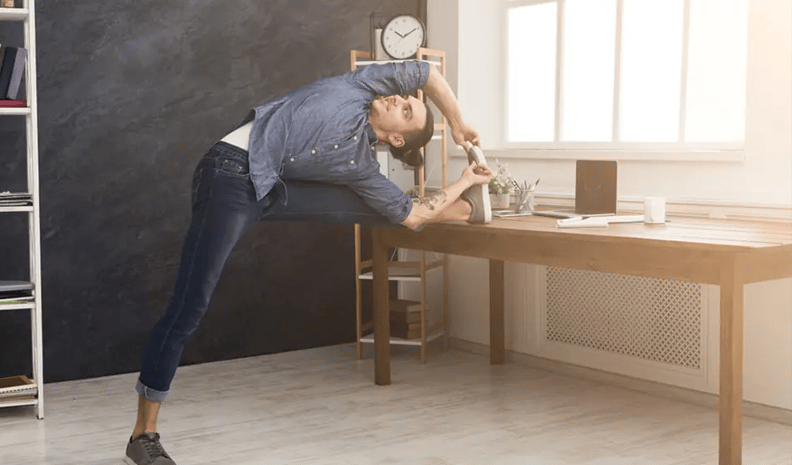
[[136, 433]]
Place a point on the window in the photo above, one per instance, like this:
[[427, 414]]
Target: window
[[626, 74]]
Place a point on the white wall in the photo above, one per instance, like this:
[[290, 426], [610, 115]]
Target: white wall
[[763, 178]]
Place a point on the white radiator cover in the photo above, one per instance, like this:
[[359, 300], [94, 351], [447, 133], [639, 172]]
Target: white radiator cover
[[648, 328]]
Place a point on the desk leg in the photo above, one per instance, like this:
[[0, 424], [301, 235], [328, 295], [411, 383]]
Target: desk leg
[[731, 364], [497, 338], [381, 322]]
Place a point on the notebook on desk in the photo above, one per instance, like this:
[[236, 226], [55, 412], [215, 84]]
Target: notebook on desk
[[595, 191]]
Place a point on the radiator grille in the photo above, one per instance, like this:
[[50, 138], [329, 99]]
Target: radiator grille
[[653, 319]]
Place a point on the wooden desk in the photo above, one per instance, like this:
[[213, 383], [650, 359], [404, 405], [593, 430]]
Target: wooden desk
[[726, 253]]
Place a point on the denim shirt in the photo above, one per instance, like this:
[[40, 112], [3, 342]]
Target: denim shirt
[[321, 132]]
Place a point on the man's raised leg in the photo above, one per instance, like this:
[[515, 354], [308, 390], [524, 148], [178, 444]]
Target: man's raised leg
[[323, 202]]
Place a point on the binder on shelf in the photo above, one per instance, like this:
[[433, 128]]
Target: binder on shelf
[[16, 74], [6, 68]]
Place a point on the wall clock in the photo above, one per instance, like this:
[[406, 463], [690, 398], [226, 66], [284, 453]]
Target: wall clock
[[402, 36]]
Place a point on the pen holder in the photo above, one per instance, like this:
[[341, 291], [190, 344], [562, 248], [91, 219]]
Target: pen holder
[[525, 201]]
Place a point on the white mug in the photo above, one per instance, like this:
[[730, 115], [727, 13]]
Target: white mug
[[654, 210]]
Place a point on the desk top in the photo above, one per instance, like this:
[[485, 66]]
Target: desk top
[[713, 232], [685, 248]]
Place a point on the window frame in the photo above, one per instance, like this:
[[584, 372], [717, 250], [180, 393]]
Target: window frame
[[730, 151]]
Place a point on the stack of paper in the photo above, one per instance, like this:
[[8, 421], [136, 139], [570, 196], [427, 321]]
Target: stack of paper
[[15, 292], [598, 221], [16, 199], [14, 386]]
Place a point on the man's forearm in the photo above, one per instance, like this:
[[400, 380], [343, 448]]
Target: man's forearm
[[428, 207], [438, 90]]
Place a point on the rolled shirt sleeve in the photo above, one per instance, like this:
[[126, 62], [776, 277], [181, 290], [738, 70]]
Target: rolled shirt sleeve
[[384, 196], [391, 78]]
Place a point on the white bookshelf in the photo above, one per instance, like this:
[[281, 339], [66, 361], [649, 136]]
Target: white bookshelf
[[16, 209], [15, 111], [14, 14], [32, 392]]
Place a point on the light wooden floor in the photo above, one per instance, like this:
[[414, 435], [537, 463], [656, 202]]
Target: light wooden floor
[[320, 406]]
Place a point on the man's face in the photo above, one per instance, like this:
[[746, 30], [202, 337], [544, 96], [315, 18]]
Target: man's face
[[398, 113]]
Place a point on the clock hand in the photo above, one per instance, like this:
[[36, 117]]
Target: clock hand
[[405, 35], [397, 33]]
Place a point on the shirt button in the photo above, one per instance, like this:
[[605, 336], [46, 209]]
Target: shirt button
[[354, 138], [352, 161], [335, 146], [313, 152], [291, 159]]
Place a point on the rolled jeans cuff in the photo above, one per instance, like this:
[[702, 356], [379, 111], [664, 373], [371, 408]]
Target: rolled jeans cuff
[[151, 394]]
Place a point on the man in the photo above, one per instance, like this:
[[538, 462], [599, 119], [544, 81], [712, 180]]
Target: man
[[306, 155]]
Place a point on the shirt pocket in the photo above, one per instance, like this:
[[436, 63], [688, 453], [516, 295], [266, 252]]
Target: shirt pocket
[[344, 157], [333, 161]]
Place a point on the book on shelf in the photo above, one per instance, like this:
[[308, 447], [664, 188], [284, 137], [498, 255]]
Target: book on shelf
[[11, 286], [16, 74], [13, 199], [13, 103], [15, 292], [18, 299], [405, 318], [6, 66], [405, 330], [404, 311], [13, 386], [11, 68]]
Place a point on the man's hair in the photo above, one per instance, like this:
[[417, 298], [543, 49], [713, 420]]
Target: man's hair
[[410, 152]]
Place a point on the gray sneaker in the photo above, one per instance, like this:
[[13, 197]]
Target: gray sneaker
[[147, 450], [478, 196]]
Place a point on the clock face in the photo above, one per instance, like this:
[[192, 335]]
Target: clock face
[[402, 36]]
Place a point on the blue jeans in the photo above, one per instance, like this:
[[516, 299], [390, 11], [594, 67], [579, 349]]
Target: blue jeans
[[224, 208]]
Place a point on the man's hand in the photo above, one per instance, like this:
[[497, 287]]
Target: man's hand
[[465, 135], [477, 173], [431, 207]]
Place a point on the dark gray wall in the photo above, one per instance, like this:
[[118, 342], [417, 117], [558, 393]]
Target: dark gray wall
[[131, 94]]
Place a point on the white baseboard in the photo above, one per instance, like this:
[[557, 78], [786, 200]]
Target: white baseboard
[[751, 409]]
